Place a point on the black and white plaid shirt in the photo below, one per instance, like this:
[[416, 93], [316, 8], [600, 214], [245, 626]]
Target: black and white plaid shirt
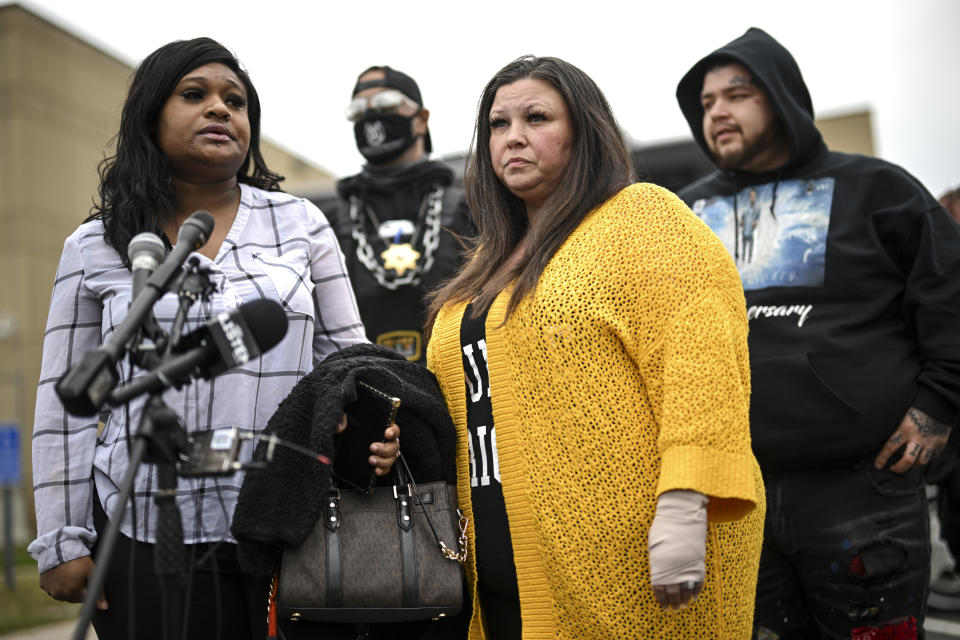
[[279, 247]]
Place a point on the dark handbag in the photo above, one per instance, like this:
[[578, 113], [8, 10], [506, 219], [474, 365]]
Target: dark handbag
[[377, 557]]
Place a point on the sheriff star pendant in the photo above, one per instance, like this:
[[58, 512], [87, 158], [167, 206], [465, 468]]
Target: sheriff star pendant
[[400, 257]]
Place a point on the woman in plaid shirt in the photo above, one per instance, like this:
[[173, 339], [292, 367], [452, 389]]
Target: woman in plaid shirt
[[189, 140]]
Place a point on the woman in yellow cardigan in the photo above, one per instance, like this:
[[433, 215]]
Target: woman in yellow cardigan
[[593, 354]]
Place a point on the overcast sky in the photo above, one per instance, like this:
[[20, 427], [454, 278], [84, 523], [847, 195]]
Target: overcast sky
[[898, 58]]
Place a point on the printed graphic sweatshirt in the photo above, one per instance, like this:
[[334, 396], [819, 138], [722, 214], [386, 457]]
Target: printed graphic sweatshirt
[[851, 271]]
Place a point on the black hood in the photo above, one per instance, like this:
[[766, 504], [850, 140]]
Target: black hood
[[391, 179], [775, 70]]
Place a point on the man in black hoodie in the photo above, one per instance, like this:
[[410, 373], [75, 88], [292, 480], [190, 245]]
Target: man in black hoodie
[[852, 283], [398, 219]]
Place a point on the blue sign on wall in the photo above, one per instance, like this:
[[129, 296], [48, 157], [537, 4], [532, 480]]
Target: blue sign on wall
[[9, 455]]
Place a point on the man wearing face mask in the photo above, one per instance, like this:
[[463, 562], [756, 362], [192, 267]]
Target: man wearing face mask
[[399, 219]]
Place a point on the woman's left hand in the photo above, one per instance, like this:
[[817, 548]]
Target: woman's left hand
[[385, 453], [677, 544], [677, 596]]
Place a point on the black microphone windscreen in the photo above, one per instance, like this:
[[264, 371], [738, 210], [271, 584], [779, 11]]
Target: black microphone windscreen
[[196, 229], [240, 335], [267, 321]]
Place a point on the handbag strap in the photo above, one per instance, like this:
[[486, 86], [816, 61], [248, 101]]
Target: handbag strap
[[460, 555], [272, 607]]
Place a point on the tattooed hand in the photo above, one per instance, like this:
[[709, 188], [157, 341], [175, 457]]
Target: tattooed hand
[[921, 438]]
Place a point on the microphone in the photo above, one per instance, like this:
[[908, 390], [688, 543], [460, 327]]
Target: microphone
[[145, 251], [193, 234], [227, 341], [87, 384]]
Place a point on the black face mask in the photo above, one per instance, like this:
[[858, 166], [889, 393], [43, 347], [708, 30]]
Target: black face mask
[[381, 137]]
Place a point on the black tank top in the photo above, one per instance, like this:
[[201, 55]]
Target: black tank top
[[496, 572]]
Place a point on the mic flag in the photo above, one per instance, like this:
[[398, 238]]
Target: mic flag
[[229, 340]]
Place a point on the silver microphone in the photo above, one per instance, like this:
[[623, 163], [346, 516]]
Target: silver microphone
[[145, 251]]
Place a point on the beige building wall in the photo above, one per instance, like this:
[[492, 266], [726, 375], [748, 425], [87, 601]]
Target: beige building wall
[[60, 103], [848, 132], [301, 177]]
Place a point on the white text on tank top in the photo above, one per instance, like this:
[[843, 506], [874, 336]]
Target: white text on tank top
[[484, 439]]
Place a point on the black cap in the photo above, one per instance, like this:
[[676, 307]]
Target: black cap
[[400, 81]]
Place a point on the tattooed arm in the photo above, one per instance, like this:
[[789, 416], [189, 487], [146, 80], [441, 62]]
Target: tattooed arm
[[921, 436]]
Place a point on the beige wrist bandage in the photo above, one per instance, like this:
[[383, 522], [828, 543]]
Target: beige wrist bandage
[[678, 538]]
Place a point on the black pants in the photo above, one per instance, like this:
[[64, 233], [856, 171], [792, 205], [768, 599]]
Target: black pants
[[948, 510], [843, 549], [944, 471], [220, 602]]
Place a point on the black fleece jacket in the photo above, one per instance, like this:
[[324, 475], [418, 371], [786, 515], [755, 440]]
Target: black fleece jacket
[[841, 349], [280, 503]]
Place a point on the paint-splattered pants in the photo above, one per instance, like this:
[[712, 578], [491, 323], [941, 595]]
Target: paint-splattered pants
[[843, 549]]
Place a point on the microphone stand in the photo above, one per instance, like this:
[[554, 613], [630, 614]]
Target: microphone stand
[[159, 440]]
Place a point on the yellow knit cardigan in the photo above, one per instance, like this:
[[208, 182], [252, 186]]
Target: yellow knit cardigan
[[625, 375]]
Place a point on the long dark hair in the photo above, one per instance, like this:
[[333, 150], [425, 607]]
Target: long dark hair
[[599, 167], [136, 191]]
